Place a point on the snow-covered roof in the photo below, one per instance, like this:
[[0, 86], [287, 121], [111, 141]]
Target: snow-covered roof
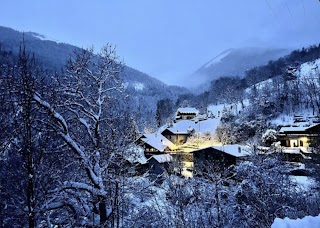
[[235, 150], [307, 221], [296, 129], [291, 151], [162, 158], [187, 126], [292, 129], [158, 141], [182, 127], [188, 110]]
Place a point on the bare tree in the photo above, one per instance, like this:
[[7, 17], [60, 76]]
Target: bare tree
[[90, 119]]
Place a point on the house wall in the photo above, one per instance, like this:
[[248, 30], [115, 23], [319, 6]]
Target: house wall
[[176, 138], [180, 139], [147, 147], [187, 116], [308, 138], [210, 160], [170, 137], [296, 141], [184, 116]]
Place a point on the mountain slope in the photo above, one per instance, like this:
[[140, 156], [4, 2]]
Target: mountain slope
[[143, 89], [51, 54], [234, 62]]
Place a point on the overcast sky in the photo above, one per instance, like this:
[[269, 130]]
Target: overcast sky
[[168, 39]]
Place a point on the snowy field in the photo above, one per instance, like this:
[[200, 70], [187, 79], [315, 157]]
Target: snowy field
[[305, 222]]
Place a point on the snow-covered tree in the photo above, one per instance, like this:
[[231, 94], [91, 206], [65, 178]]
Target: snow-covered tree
[[90, 118], [265, 192], [269, 136]]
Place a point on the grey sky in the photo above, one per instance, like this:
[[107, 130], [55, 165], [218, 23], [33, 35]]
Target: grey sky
[[169, 39]]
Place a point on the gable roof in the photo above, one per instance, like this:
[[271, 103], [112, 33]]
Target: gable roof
[[187, 126], [157, 141], [182, 127], [162, 158], [234, 150], [297, 129], [188, 111]]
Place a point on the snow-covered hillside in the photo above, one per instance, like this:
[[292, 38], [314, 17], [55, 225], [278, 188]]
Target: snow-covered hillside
[[234, 62], [305, 70], [310, 69], [218, 109], [218, 58], [303, 87]]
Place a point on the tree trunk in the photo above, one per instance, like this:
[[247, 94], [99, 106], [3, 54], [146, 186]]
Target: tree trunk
[[28, 155], [102, 211], [217, 205]]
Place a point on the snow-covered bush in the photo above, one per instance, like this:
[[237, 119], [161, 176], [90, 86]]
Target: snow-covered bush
[[265, 192], [134, 154], [269, 136]]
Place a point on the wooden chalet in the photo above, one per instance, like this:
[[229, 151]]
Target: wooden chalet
[[300, 136], [186, 113], [176, 137], [218, 158], [155, 143]]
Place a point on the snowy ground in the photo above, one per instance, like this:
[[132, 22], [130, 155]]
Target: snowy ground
[[309, 69], [289, 120], [187, 169], [306, 222], [218, 109], [303, 182]]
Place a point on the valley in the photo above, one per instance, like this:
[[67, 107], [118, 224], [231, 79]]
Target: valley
[[87, 141]]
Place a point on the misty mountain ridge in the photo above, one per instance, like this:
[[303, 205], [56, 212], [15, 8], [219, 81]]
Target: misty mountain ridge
[[235, 62], [144, 90], [54, 55]]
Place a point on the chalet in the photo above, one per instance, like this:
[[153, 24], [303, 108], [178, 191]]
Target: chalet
[[176, 136], [186, 113], [300, 136], [156, 143], [179, 132], [159, 163], [218, 158]]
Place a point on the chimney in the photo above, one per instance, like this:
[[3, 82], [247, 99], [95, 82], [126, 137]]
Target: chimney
[[239, 150]]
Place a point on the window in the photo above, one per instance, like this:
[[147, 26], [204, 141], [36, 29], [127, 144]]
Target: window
[[301, 143]]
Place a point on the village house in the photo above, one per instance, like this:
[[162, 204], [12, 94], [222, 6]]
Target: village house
[[186, 113], [155, 143], [218, 158], [179, 132], [300, 136]]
